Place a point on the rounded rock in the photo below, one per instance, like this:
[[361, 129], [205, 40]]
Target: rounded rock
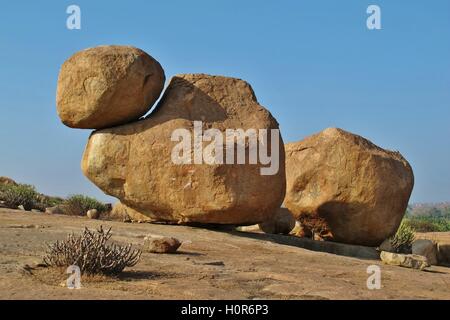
[[107, 86], [353, 190], [92, 214], [282, 222]]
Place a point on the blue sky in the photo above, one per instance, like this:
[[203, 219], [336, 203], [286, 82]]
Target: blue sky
[[313, 64]]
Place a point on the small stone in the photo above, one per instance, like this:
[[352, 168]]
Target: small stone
[[252, 228], [282, 222], [301, 231], [126, 214], [444, 252], [92, 214], [54, 210], [404, 260], [426, 248], [386, 246], [160, 244], [21, 207]]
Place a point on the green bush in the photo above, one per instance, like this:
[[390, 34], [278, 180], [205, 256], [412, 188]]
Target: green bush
[[78, 205], [420, 225], [429, 223], [21, 194], [403, 239]]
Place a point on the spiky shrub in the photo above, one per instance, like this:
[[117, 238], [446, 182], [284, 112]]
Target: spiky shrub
[[92, 253], [21, 194], [78, 205], [403, 239]]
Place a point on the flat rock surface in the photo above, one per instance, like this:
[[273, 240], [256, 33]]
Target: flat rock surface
[[209, 265]]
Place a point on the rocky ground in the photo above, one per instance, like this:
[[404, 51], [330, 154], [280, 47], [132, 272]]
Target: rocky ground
[[210, 265]]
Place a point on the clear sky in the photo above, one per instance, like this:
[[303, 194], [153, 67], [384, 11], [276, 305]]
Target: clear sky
[[313, 64]]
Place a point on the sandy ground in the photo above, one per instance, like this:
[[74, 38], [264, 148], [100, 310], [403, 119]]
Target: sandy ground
[[210, 265]]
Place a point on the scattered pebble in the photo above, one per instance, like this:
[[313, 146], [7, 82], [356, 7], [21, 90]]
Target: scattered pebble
[[92, 214], [160, 244]]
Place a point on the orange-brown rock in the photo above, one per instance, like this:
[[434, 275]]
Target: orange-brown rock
[[106, 86], [7, 181], [122, 212], [133, 162], [282, 222], [356, 191]]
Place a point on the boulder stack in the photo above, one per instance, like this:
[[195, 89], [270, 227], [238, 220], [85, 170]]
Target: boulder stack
[[340, 186], [109, 88]]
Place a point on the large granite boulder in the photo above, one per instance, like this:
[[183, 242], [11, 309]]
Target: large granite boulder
[[106, 86], [137, 163], [426, 248], [352, 190]]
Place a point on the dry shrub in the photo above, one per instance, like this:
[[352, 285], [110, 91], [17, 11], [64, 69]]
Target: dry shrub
[[91, 253]]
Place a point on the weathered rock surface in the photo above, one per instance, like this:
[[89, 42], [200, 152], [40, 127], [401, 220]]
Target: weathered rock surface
[[160, 244], [122, 212], [282, 222], [427, 249], [404, 260], [444, 253], [355, 191], [133, 162], [300, 231], [106, 86], [252, 228], [442, 242], [252, 262]]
